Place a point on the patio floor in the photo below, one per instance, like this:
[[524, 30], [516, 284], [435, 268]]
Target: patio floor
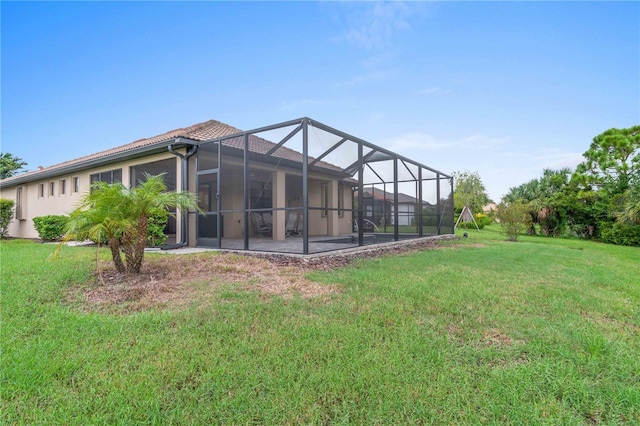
[[321, 245]]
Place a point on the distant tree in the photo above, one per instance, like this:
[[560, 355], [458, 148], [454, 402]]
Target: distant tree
[[613, 160], [469, 191], [540, 197], [10, 165], [6, 214], [513, 218], [631, 206]]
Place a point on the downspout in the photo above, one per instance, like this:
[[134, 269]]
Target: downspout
[[184, 240]]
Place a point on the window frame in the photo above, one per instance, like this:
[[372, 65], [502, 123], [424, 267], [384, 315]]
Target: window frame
[[102, 176], [19, 213]]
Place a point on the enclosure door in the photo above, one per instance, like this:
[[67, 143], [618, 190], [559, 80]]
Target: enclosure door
[[209, 223]]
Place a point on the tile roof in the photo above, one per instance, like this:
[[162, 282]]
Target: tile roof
[[199, 132], [207, 130]]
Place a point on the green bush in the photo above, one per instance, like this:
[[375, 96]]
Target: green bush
[[155, 231], [6, 212], [50, 228], [620, 233], [483, 220], [470, 225], [513, 218]]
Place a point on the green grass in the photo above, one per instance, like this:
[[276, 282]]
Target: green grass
[[542, 331]]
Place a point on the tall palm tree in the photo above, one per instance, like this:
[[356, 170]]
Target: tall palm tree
[[631, 208], [120, 216]]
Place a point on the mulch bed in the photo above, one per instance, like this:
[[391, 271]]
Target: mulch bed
[[174, 281]]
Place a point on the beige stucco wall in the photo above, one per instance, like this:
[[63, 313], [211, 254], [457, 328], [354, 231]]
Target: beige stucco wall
[[232, 197], [60, 204]]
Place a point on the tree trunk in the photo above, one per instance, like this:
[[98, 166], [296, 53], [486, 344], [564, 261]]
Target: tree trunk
[[114, 245], [140, 244], [127, 247]]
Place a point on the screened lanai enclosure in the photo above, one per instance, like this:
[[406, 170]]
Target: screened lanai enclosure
[[304, 187]]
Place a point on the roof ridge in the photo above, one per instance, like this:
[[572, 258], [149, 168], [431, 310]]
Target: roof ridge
[[187, 132]]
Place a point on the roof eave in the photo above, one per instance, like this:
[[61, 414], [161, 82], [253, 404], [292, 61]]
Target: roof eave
[[94, 162]]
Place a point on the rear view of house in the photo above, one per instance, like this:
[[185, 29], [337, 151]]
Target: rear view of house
[[296, 187]]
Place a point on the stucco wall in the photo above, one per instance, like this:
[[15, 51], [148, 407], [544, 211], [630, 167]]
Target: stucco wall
[[35, 205], [232, 197]]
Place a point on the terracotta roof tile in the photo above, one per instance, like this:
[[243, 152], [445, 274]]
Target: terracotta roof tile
[[199, 132], [207, 130]]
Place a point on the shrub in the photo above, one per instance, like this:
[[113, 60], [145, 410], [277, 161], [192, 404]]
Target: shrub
[[620, 233], [6, 212], [483, 220], [513, 218], [50, 228], [470, 225], [155, 231]]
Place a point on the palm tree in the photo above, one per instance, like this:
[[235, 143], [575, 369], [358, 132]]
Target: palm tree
[[120, 216], [539, 195], [631, 209]]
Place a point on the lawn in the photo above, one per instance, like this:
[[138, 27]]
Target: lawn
[[542, 331]]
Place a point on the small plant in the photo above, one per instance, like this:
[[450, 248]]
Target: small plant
[[50, 228], [155, 231], [513, 218], [483, 220], [6, 211]]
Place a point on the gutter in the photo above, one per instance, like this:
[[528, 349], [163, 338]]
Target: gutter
[[63, 169], [184, 240]]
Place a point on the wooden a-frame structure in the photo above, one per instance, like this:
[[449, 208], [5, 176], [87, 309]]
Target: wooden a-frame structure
[[466, 216]]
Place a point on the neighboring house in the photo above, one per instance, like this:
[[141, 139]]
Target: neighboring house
[[489, 208], [298, 178], [379, 207]]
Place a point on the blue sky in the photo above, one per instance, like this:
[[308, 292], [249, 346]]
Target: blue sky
[[502, 88]]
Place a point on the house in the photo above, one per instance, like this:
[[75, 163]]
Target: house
[[290, 187], [379, 207]]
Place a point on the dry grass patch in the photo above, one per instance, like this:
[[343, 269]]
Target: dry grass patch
[[168, 281]]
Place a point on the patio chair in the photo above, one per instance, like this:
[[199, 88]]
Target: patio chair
[[299, 224], [292, 224], [261, 228]]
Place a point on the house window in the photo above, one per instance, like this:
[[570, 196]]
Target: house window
[[110, 176], [340, 200], [20, 210], [76, 184], [41, 190], [324, 199], [165, 167], [168, 169], [63, 186], [52, 189]]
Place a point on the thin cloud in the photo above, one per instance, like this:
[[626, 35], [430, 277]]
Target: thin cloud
[[297, 104], [429, 91], [373, 26], [425, 142], [417, 141], [485, 140], [370, 77], [554, 158]]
